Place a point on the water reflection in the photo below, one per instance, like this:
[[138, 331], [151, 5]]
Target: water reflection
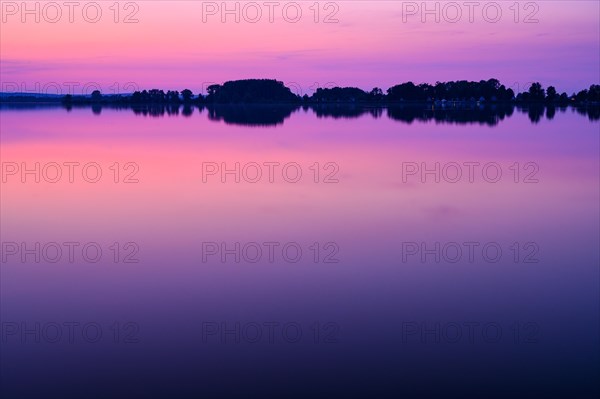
[[254, 115], [373, 293], [274, 115]]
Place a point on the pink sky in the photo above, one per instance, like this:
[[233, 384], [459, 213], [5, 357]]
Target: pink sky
[[375, 43]]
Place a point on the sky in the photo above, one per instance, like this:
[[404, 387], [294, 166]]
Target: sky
[[55, 47]]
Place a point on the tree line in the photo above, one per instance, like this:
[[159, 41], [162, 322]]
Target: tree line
[[273, 91]]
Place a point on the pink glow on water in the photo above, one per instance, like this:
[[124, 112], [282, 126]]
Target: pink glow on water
[[170, 153]]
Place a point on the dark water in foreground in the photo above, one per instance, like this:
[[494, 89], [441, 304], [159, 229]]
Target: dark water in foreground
[[316, 254]]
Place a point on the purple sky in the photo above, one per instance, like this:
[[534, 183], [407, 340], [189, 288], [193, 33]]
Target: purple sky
[[190, 44]]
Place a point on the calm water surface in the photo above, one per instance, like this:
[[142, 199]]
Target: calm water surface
[[343, 268]]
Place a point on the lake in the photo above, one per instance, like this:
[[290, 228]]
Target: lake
[[225, 250]]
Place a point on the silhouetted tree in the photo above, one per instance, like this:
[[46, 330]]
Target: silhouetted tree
[[523, 97], [564, 98], [456, 93], [251, 91], [404, 92], [376, 94], [581, 96], [173, 96], [510, 95], [551, 94], [212, 89], [340, 94], [536, 92], [96, 96], [594, 94], [186, 94]]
